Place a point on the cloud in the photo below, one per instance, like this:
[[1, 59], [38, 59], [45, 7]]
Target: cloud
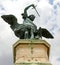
[[55, 61], [2, 10], [38, 0], [58, 59], [6, 59]]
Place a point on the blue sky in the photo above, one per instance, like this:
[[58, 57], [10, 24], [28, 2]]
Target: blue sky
[[51, 2], [49, 11]]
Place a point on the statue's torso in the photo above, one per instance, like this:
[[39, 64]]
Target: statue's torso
[[27, 21]]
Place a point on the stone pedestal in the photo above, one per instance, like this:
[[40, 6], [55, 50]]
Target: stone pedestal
[[31, 52]]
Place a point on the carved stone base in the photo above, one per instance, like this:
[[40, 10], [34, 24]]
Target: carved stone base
[[31, 52]]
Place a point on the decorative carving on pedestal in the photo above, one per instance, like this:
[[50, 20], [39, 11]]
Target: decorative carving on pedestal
[[31, 52]]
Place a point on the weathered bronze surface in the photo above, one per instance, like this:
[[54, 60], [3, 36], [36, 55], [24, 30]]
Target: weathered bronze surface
[[27, 30]]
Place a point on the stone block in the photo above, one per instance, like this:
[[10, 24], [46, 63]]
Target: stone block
[[31, 52]]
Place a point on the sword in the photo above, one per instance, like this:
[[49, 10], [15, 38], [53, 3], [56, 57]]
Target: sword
[[36, 10]]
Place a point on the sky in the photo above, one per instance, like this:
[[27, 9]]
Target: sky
[[49, 11]]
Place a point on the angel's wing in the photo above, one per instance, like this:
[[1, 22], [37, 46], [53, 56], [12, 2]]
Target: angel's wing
[[45, 33], [9, 19]]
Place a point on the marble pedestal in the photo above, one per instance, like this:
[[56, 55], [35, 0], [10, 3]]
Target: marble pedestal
[[31, 52]]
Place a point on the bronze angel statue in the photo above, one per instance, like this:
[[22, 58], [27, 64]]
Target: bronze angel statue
[[27, 30]]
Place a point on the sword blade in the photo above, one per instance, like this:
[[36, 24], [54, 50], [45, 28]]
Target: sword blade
[[37, 12]]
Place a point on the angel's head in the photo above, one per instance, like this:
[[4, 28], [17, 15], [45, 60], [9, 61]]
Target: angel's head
[[31, 17]]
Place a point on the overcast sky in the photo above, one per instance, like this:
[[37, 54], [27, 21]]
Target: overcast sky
[[49, 11]]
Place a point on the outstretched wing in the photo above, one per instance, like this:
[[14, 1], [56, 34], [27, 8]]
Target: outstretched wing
[[46, 33], [10, 19]]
